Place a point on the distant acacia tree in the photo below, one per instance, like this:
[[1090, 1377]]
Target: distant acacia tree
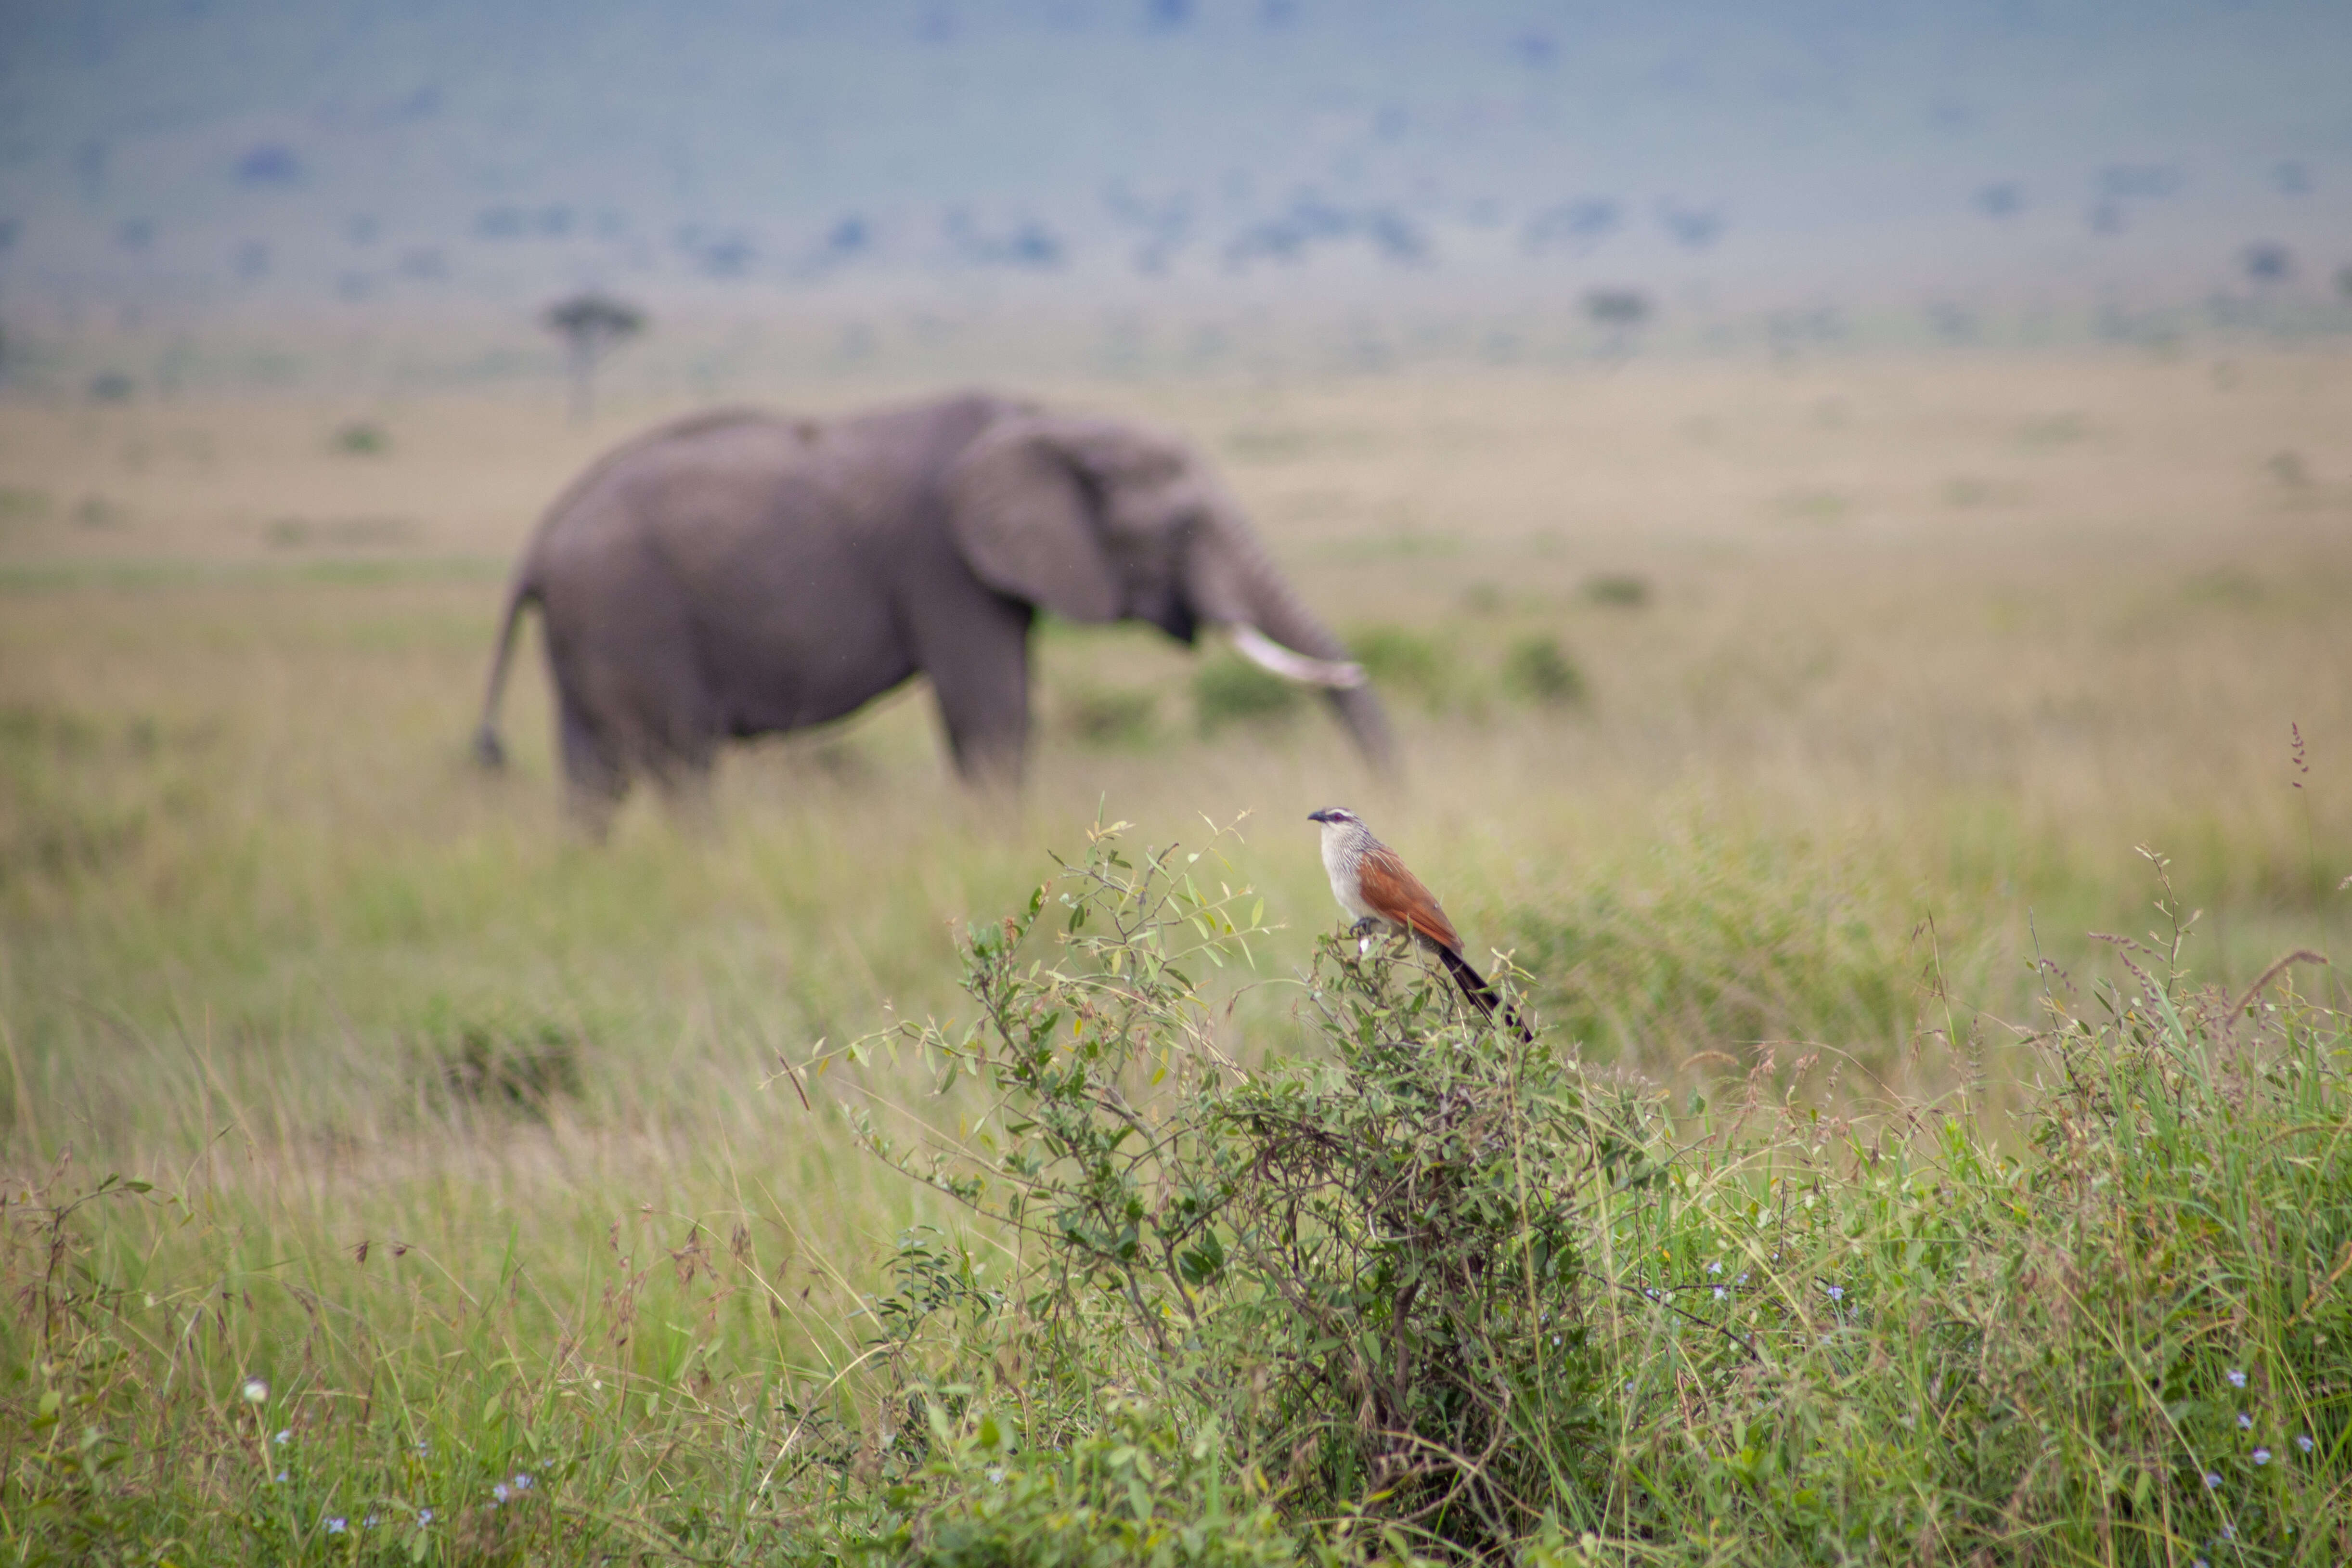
[[591, 325]]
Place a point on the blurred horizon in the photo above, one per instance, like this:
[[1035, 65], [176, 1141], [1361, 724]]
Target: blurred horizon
[[181, 164]]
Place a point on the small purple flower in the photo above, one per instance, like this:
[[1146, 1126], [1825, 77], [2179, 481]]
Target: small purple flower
[[337, 1525], [498, 1493], [1742, 1280], [2237, 1377], [1721, 1294], [284, 1437], [2262, 1456], [2229, 1531], [281, 1478], [1715, 1269], [2212, 1479], [367, 1524], [2246, 1422], [424, 1516], [522, 1481], [2304, 1443], [1837, 1292]]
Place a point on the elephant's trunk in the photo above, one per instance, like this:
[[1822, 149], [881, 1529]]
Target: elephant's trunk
[[1270, 610]]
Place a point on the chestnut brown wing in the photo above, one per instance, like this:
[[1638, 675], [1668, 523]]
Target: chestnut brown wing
[[1397, 894]]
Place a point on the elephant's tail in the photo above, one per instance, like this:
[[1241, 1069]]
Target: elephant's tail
[[488, 750]]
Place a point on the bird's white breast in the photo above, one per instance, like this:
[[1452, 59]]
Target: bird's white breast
[[1341, 855]]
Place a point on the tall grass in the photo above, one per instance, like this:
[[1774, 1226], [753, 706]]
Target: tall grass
[[1417, 1291]]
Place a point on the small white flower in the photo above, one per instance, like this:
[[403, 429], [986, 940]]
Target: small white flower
[[255, 1390], [1721, 1294], [281, 1478], [284, 1437], [2304, 1443], [424, 1516], [498, 1493], [1837, 1292], [2262, 1456], [367, 1524], [996, 1474], [522, 1481], [2212, 1479], [1742, 1280], [2246, 1422], [2237, 1377], [1715, 1269], [337, 1525]]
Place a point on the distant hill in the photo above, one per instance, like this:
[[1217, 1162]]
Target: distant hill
[[202, 156]]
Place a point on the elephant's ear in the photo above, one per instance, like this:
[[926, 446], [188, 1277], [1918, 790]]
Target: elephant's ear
[[1023, 516]]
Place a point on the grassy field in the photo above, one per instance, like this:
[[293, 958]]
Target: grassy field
[[467, 1142]]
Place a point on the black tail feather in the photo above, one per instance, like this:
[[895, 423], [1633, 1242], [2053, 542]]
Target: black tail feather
[[1474, 985]]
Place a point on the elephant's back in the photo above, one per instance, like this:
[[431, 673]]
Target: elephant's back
[[618, 486]]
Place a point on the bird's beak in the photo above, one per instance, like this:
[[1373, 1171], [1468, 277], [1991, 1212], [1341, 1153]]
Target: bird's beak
[[1319, 817]]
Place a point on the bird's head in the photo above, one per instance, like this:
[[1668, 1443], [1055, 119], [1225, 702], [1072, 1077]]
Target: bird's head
[[1335, 817]]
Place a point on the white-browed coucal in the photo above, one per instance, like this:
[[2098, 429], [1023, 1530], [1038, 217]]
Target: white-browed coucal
[[1373, 886]]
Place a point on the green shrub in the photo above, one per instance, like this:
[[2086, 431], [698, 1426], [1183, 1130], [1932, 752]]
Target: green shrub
[[1539, 671], [517, 1069], [1623, 590], [1401, 660], [1369, 1268], [1107, 717], [1229, 689], [361, 438], [1420, 668]]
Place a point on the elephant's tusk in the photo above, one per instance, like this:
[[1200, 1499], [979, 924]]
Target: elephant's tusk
[[1291, 664]]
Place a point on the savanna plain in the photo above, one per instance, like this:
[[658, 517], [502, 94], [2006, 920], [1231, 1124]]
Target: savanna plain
[[1835, 751]]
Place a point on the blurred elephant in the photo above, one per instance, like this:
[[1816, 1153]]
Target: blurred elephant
[[739, 572]]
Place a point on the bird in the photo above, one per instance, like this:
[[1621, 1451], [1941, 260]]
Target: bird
[[1373, 886]]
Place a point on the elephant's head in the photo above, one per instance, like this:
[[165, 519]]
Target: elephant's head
[[1097, 520]]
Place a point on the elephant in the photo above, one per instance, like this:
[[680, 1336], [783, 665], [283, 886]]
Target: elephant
[[739, 573]]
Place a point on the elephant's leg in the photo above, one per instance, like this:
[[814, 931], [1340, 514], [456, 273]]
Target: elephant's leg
[[682, 772], [595, 772], [978, 659]]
